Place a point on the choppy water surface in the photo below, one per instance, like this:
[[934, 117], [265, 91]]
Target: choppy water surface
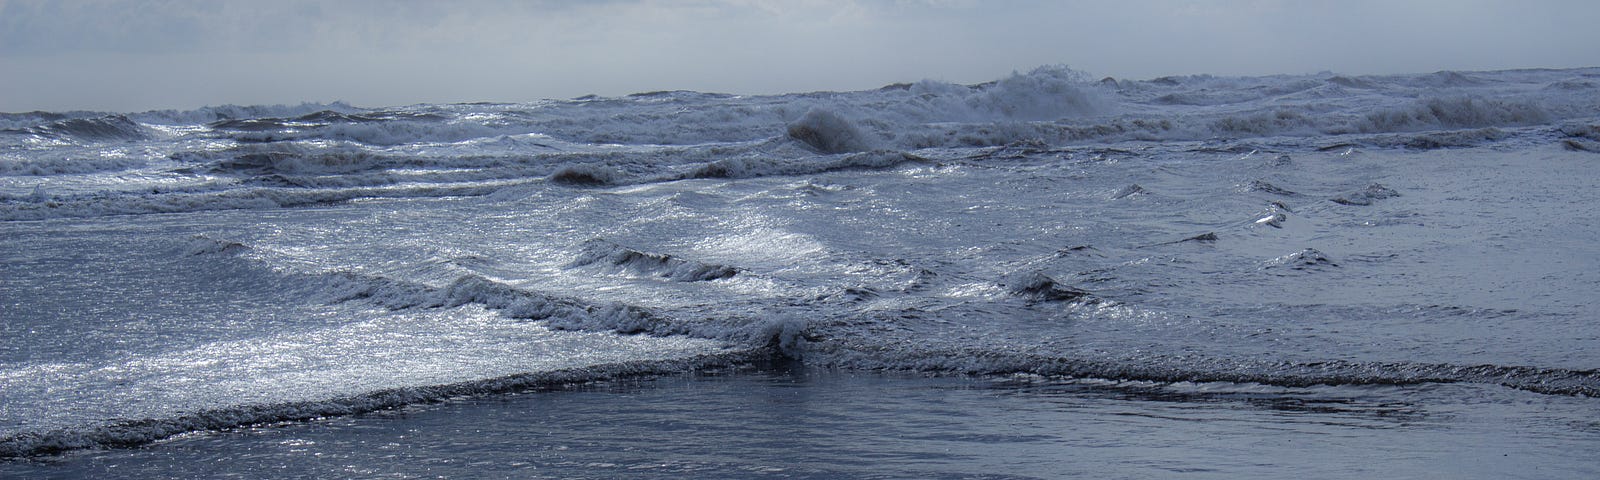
[[1183, 270]]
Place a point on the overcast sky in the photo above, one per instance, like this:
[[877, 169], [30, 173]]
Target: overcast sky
[[149, 54]]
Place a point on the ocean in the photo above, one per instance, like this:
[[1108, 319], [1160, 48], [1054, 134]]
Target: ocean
[[1044, 276]]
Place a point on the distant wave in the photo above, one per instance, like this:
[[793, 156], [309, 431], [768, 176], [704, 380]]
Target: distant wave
[[47, 207], [223, 113], [99, 129], [1054, 105]]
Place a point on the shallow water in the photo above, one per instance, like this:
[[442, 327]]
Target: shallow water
[[805, 423]]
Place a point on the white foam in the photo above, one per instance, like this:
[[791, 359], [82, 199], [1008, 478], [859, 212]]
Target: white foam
[[332, 372]]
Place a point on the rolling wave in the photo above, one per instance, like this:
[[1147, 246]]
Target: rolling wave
[[109, 128], [602, 252], [1194, 369]]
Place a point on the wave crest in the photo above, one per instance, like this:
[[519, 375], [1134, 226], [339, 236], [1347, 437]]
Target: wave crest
[[1455, 112], [600, 251], [109, 128]]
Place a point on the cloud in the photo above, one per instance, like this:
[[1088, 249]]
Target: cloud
[[123, 55]]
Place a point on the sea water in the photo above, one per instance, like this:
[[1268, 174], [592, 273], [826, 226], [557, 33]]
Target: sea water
[[1041, 276], [799, 423]]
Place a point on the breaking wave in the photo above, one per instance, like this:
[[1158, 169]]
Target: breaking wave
[[129, 433], [52, 165], [1455, 112], [838, 343], [829, 133], [557, 312]]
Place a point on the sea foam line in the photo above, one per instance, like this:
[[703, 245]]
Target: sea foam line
[[128, 433]]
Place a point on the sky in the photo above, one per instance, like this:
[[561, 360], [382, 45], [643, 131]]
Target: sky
[[182, 54]]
